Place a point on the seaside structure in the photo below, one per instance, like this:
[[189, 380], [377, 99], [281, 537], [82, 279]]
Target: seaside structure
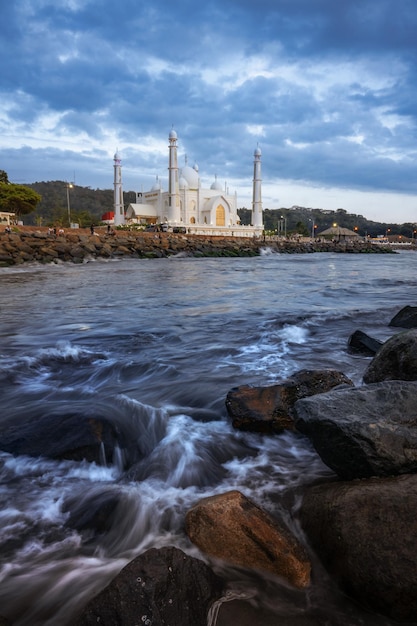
[[189, 207]]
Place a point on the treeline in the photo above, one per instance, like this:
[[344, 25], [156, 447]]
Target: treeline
[[305, 220], [87, 206]]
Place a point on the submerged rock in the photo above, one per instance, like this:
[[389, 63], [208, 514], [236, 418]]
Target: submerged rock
[[270, 409], [396, 360], [363, 432], [232, 528], [362, 343], [406, 318], [159, 587], [73, 437], [364, 532]]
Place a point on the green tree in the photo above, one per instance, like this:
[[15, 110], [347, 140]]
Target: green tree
[[3, 177], [18, 199]]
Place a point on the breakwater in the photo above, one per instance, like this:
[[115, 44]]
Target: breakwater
[[77, 247]]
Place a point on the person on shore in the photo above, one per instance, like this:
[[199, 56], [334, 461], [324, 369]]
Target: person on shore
[[92, 229]]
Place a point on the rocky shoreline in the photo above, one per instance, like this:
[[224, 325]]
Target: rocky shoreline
[[30, 245], [361, 524]]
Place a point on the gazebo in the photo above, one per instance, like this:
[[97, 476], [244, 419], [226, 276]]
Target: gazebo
[[339, 233]]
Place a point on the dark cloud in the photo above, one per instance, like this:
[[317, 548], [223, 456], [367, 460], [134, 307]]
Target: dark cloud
[[327, 88]]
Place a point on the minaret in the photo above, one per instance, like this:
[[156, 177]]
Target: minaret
[[119, 214], [257, 217], [173, 182]]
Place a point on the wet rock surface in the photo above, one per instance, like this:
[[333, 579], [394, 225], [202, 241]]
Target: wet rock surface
[[270, 409], [396, 360], [232, 528], [363, 432], [159, 587], [406, 318], [364, 532]]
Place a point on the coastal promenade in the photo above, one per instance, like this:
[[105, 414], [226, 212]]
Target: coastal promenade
[[30, 244]]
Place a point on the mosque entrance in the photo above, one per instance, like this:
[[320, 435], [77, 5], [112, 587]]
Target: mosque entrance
[[220, 216]]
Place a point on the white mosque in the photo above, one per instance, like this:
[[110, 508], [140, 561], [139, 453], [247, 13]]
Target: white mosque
[[186, 205]]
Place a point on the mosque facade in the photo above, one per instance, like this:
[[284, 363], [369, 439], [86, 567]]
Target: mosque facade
[[186, 205]]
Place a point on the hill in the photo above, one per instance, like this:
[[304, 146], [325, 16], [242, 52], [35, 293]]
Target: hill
[[88, 205]]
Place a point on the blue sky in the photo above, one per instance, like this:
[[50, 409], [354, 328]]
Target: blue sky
[[327, 88]]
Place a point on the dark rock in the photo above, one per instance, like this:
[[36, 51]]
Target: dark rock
[[365, 533], [361, 343], [159, 587], [396, 360], [363, 432], [270, 409], [406, 318], [232, 528], [73, 437]]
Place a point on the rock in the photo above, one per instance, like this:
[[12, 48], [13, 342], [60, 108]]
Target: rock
[[270, 409], [73, 436], [361, 343], [363, 432], [406, 318], [365, 533], [158, 587], [396, 360], [232, 528]]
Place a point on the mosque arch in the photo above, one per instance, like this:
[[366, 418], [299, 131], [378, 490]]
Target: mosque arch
[[220, 215]]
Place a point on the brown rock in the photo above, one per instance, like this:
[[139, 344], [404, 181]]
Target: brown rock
[[232, 528], [365, 533], [270, 409]]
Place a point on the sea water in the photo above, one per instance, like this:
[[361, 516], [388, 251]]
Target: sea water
[[154, 346]]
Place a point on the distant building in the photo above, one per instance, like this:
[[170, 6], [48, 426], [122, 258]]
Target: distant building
[[108, 217], [7, 218], [187, 205]]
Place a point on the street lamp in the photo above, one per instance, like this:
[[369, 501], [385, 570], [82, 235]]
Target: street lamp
[[69, 186], [285, 225], [313, 226]]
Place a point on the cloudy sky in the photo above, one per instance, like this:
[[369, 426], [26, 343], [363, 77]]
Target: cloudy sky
[[327, 88]]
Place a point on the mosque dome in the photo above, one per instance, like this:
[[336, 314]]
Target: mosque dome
[[217, 185], [190, 176], [258, 152], [183, 183], [173, 134], [117, 156]]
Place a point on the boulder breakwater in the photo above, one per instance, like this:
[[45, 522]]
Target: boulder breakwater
[[37, 245]]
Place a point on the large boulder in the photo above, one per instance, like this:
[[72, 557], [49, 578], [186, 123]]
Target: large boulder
[[406, 318], [396, 360], [365, 534], [232, 528], [361, 343], [365, 431], [270, 409], [159, 587]]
